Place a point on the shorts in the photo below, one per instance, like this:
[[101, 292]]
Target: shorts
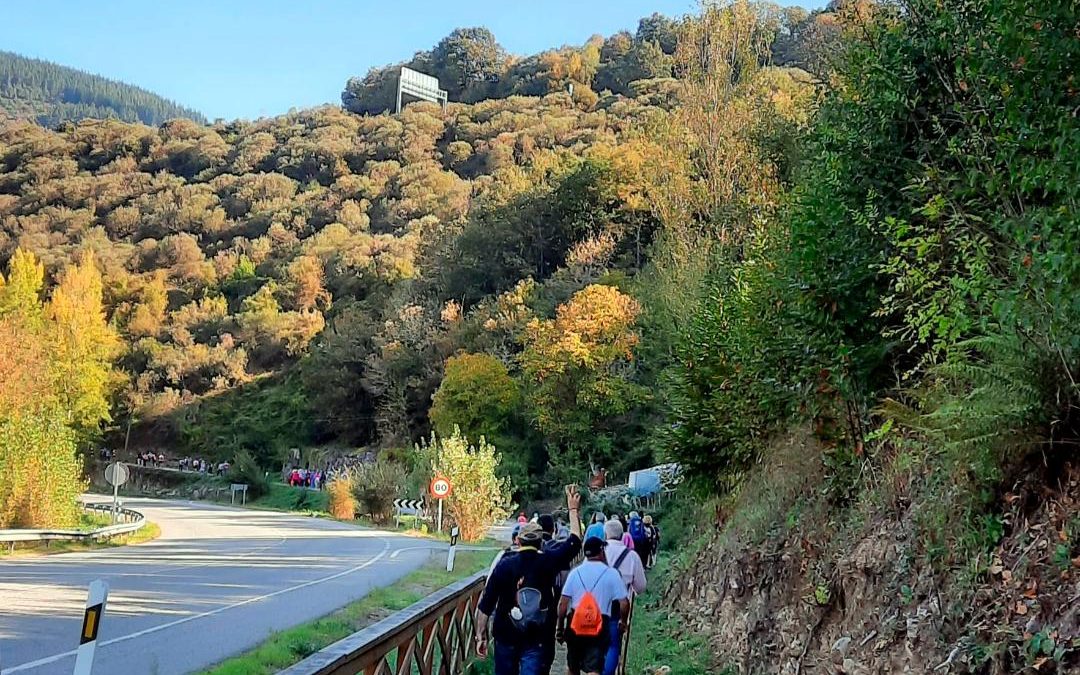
[[586, 654]]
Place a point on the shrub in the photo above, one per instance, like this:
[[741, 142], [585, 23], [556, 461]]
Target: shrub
[[342, 504], [41, 478], [479, 497], [376, 485], [246, 470]]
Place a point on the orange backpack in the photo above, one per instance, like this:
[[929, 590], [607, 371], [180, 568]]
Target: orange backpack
[[588, 620]]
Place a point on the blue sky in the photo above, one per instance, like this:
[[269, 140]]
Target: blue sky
[[252, 58]]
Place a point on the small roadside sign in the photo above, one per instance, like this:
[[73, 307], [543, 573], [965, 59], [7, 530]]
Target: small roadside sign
[[116, 474], [92, 615], [242, 488], [440, 487]]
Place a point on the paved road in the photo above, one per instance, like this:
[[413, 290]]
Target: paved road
[[216, 582]]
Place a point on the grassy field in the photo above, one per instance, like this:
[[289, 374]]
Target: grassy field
[[290, 646]]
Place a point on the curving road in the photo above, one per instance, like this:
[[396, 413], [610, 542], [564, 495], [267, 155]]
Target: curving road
[[218, 581]]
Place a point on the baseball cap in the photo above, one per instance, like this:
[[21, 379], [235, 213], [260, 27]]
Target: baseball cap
[[530, 534], [593, 546]]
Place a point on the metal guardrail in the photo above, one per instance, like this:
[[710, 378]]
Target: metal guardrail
[[434, 635], [133, 521]]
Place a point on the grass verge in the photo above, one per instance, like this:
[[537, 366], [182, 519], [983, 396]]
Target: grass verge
[[659, 639], [148, 532], [283, 649], [282, 497]]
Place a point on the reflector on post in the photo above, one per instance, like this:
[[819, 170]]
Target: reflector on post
[[95, 610]]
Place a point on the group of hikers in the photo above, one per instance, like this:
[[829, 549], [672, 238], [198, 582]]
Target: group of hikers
[[536, 597], [199, 465], [308, 478]]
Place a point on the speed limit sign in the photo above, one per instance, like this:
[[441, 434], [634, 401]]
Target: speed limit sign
[[440, 487]]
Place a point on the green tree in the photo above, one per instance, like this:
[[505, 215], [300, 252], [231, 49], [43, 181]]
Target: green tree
[[478, 395], [480, 498], [467, 62]]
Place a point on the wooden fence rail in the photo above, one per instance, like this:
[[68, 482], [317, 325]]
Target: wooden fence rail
[[431, 637]]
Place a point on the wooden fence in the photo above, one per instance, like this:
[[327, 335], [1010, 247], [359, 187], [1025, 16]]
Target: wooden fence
[[431, 637]]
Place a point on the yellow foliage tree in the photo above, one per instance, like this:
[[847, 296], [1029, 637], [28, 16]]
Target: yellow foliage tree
[[46, 369], [572, 365], [480, 498], [83, 346]]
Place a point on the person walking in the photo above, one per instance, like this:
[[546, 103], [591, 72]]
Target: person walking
[[585, 610], [652, 532], [596, 528], [518, 596], [636, 530], [548, 526], [628, 564]]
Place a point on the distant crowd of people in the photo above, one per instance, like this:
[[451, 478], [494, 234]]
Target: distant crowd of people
[[314, 479], [200, 465], [535, 596], [150, 459]]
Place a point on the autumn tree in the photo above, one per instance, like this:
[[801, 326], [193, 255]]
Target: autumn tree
[[84, 346], [578, 368], [55, 375]]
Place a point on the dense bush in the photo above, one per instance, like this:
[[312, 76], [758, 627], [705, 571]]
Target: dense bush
[[480, 498], [376, 485], [244, 469], [341, 503]]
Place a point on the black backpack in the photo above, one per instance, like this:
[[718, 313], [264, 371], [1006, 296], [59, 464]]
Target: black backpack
[[527, 615]]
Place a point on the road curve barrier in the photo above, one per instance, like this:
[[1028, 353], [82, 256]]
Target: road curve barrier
[[433, 635], [130, 521]]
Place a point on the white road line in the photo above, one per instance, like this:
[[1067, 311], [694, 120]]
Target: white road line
[[131, 636], [413, 548]]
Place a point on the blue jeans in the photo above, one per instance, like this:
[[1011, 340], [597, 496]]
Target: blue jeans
[[518, 660], [611, 662]]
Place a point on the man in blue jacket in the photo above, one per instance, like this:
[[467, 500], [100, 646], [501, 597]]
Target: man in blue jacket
[[519, 597]]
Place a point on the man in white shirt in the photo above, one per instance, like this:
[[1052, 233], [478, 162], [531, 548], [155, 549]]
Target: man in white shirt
[[585, 653], [629, 566], [624, 560]]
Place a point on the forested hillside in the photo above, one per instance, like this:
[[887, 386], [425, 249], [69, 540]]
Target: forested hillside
[[845, 297], [472, 66], [306, 279], [50, 94]]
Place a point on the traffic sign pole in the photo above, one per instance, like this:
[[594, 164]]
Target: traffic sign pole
[[440, 489], [116, 474], [95, 610]]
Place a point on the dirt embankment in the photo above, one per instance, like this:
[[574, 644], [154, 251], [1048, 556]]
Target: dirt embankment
[[790, 582]]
